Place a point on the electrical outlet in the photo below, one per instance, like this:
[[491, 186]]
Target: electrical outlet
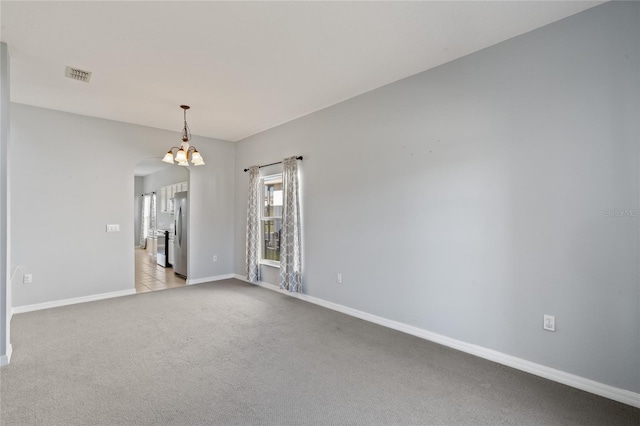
[[549, 323], [27, 278], [339, 279], [215, 257]]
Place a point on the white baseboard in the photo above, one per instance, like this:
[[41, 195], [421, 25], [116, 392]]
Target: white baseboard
[[5, 359], [73, 301], [582, 383], [209, 279]]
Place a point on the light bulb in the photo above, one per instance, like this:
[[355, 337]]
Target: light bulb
[[168, 158], [196, 158], [181, 156]]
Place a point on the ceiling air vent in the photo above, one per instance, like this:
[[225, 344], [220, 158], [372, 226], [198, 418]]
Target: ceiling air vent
[[78, 74]]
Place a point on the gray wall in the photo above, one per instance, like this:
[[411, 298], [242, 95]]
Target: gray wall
[[5, 288], [77, 180], [471, 199]]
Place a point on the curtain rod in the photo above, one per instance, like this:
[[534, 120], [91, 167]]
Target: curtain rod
[[279, 162], [148, 193]]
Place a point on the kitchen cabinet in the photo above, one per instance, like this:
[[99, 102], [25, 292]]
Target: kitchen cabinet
[[163, 199], [151, 246], [167, 193], [170, 193]]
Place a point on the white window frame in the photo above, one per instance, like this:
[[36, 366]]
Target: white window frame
[[263, 179]]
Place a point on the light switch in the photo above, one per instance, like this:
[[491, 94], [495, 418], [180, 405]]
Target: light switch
[[113, 228]]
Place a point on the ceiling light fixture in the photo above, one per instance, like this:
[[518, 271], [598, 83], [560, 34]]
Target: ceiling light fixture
[[185, 152]]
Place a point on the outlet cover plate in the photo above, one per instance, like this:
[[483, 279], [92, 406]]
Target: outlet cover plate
[[549, 323]]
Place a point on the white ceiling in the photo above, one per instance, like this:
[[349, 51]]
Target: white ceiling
[[243, 67]]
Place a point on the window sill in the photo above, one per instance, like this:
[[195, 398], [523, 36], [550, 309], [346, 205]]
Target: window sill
[[271, 263]]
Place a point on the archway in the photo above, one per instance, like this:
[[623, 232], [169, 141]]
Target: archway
[[158, 251]]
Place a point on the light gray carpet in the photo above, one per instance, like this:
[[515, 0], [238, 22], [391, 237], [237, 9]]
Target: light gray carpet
[[231, 353]]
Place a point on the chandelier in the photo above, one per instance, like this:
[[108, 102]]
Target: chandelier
[[185, 151]]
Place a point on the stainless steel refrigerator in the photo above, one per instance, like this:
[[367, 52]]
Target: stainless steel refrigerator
[[181, 217]]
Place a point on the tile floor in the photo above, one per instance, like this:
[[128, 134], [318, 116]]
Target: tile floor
[[150, 276]]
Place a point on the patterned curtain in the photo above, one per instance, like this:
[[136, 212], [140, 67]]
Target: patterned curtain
[[253, 225], [152, 219], [290, 247]]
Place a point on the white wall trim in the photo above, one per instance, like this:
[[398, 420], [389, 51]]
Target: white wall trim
[[73, 301], [6, 359], [588, 385], [209, 279]]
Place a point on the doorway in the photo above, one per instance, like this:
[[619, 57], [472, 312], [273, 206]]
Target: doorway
[[156, 186]]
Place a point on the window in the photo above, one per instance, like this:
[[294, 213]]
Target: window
[[271, 219]]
